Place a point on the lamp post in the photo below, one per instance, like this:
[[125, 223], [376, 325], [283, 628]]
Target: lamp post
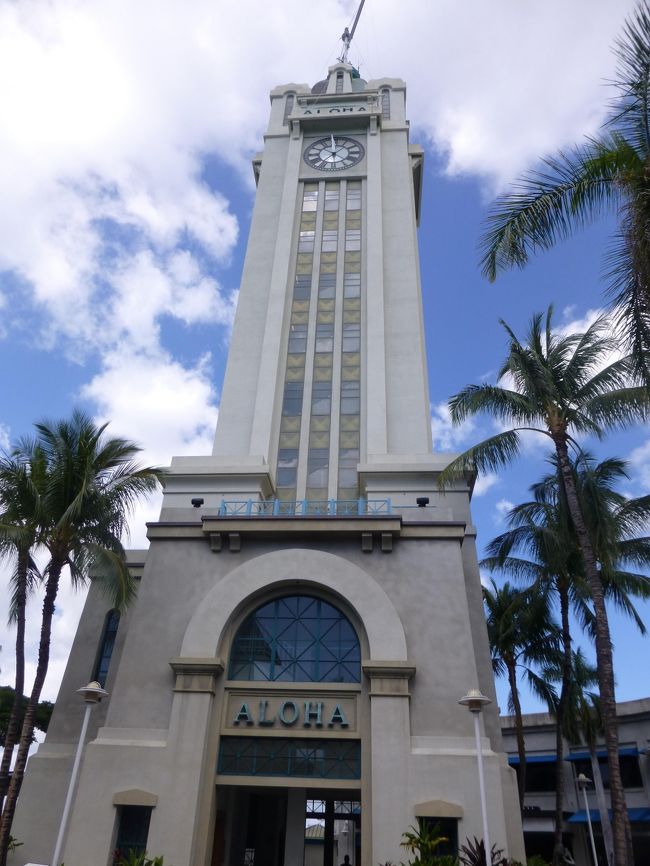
[[583, 781], [475, 701], [92, 694]]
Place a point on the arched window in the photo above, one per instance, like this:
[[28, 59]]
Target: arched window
[[106, 646], [296, 638]]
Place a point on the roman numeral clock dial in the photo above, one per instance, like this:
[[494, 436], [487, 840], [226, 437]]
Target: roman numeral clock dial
[[334, 153]]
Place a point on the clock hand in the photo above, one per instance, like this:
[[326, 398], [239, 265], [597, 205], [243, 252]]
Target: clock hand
[[333, 145]]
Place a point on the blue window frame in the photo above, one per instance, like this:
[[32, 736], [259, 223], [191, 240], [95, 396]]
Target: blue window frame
[[296, 638], [106, 647]]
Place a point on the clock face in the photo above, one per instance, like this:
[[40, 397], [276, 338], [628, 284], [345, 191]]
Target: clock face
[[334, 153]]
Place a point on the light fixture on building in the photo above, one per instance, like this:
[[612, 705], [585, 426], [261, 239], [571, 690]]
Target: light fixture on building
[[475, 701], [197, 502], [422, 501], [582, 782], [92, 694]]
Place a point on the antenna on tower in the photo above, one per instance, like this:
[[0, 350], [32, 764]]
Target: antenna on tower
[[348, 34]]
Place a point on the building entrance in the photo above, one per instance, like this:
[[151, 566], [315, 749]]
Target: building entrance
[[287, 827]]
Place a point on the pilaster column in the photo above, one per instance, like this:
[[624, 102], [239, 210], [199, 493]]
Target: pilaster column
[[390, 732]]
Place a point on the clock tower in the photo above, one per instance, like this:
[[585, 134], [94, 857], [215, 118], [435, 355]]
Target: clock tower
[[285, 691]]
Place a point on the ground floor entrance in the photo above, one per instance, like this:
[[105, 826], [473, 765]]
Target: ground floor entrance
[[275, 826]]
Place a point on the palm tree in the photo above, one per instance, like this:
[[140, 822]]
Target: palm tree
[[91, 485], [559, 388], [583, 724], [605, 174], [20, 511], [521, 633], [542, 530]]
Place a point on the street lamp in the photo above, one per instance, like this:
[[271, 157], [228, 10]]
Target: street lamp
[[92, 694], [583, 781], [475, 701]]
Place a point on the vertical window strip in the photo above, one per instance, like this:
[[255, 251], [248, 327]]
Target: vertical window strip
[[385, 103], [318, 456], [294, 377], [339, 82], [288, 108], [350, 397]]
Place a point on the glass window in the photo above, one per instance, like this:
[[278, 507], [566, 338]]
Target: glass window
[[297, 338], [353, 198], [106, 646], [630, 772], [330, 241], [327, 286], [324, 338], [302, 287], [339, 82], [350, 398], [331, 197], [540, 777], [306, 242], [318, 467], [276, 756], [351, 337], [352, 285], [321, 398], [310, 197], [287, 466], [296, 639], [353, 239], [292, 403], [132, 830]]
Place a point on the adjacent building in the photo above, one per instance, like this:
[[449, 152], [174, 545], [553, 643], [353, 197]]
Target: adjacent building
[[539, 811], [309, 610]]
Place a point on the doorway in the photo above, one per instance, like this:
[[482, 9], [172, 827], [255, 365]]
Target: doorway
[[332, 831]]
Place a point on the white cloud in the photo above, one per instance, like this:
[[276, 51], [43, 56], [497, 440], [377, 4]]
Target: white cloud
[[639, 460], [502, 507], [485, 482], [446, 436], [4, 437]]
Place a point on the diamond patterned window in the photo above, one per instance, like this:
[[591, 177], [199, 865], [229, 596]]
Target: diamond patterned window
[[274, 756], [296, 639]]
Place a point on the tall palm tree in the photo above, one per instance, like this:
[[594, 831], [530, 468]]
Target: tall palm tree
[[91, 485], [20, 513], [607, 173], [542, 530], [522, 633], [556, 386]]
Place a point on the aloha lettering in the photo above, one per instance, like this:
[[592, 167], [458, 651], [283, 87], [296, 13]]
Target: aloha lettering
[[291, 713]]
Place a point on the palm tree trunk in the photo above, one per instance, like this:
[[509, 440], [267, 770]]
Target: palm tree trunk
[[519, 731], [27, 732], [558, 843], [623, 855], [605, 823], [22, 566]]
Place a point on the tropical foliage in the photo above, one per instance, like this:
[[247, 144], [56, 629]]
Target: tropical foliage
[[562, 387], [76, 487], [605, 174]]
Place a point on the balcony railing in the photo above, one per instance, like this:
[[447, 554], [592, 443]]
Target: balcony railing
[[304, 508]]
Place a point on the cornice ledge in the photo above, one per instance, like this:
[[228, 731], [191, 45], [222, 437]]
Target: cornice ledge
[[403, 670]]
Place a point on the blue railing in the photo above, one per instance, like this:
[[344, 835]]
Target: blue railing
[[304, 507]]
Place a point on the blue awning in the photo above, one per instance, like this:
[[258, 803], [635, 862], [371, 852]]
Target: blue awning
[[513, 760], [636, 815], [629, 751]]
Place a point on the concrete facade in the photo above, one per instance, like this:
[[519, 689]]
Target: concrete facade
[[539, 815], [404, 576]]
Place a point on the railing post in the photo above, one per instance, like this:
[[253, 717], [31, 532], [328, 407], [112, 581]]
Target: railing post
[[332, 506], [249, 508], [389, 506], [276, 507], [360, 508], [222, 508]]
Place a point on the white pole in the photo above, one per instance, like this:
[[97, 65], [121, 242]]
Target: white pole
[[591, 829], [481, 784], [73, 779]]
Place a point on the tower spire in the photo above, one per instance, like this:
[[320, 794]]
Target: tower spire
[[349, 34]]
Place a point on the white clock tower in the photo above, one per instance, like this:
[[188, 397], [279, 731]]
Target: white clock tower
[[285, 690]]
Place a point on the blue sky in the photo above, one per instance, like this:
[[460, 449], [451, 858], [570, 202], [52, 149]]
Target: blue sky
[[126, 132]]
